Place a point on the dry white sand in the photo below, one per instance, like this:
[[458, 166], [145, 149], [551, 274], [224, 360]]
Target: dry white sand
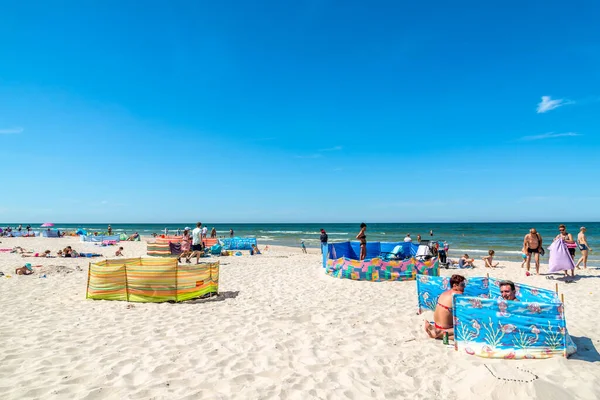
[[281, 329]]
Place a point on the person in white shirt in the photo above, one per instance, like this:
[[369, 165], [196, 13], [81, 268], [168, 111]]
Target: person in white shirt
[[408, 238], [196, 243], [204, 232]]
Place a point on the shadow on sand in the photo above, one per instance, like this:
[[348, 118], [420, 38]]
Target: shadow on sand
[[222, 296], [586, 351]]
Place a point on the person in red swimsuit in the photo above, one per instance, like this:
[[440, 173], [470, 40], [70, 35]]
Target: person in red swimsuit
[[443, 316]]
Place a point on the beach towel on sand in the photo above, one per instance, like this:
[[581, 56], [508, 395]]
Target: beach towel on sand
[[560, 259]]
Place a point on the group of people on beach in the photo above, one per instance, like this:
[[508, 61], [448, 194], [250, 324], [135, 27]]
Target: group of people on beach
[[532, 247], [8, 231], [362, 238], [443, 316], [203, 232]]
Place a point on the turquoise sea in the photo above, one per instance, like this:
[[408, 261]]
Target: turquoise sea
[[472, 238]]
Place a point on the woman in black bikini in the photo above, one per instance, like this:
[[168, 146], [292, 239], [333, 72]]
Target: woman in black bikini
[[362, 236]]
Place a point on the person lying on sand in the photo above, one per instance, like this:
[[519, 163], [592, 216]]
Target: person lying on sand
[[119, 252], [134, 236], [443, 317], [489, 260], [69, 252], [26, 270], [44, 254], [20, 250]]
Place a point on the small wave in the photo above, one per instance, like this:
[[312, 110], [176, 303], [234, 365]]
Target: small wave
[[285, 232], [469, 250], [338, 233]]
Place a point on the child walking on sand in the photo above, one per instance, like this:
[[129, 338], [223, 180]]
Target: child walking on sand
[[489, 260], [524, 255], [303, 247]]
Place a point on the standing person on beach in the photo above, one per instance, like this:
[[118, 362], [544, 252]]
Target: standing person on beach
[[324, 238], [362, 236], [19, 228], [204, 232], [166, 231], [231, 233], [408, 238], [532, 243], [583, 246], [186, 242], [109, 230], [213, 232], [196, 242], [431, 232], [418, 238], [568, 238], [303, 246]]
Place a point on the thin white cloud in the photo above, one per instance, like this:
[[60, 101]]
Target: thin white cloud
[[335, 148], [11, 131], [550, 135], [547, 104]]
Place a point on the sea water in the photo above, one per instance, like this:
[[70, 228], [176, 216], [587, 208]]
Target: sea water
[[475, 239]]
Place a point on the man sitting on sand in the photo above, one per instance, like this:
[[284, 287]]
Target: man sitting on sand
[[508, 290], [255, 250], [26, 270], [489, 260], [465, 261], [119, 252], [443, 316]]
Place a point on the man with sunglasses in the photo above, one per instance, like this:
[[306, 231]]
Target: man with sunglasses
[[443, 317]]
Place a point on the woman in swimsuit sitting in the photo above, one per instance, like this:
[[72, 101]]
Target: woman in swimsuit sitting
[[442, 316], [362, 236]]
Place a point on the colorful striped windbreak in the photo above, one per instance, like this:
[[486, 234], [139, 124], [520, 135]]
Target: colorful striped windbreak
[[150, 280]]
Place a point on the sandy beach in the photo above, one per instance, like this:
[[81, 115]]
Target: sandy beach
[[280, 329]]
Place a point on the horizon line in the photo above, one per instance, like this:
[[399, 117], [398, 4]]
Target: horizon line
[[315, 223]]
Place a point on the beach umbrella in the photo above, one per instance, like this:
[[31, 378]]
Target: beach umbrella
[[47, 224]]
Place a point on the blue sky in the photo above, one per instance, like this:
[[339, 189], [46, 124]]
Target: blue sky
[[303, 111]]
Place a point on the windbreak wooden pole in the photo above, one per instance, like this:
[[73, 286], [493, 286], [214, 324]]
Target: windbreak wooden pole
[[87, 289], [176, 285], [126, 282]]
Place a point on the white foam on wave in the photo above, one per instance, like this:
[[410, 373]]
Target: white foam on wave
[[469, 250], [266, 238], [285, 232]]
